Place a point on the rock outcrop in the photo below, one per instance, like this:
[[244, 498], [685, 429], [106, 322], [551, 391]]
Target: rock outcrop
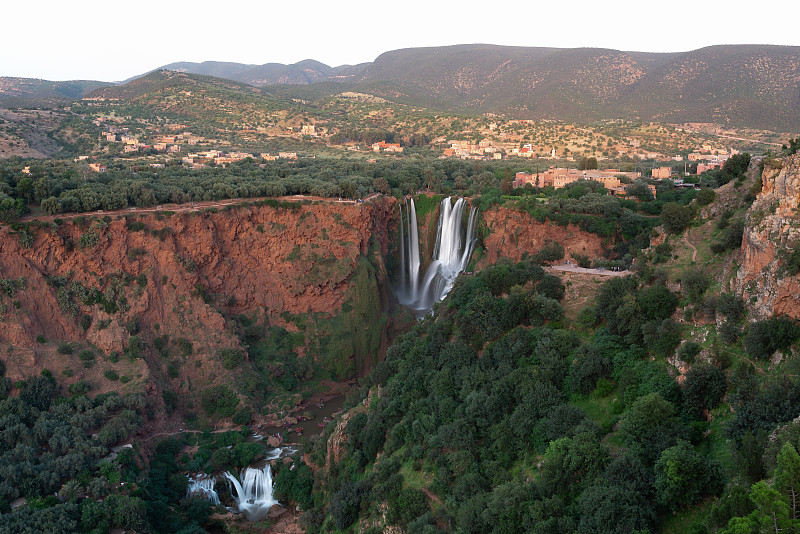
[[513, 233], [772, 231]]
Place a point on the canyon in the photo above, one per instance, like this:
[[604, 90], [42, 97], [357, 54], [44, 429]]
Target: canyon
[[195, 284]]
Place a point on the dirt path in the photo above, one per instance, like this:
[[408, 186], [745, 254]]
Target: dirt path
[[157, 434], [686, 239], [598, 272], [191, 207]]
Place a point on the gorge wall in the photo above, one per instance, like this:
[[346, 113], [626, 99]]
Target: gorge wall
[[772, 232], [101, 281], [511, 234]]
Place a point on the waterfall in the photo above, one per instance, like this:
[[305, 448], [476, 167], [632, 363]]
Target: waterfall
[[451, 255], [413, 249], [202, 487], [402, 252], [254, 494]]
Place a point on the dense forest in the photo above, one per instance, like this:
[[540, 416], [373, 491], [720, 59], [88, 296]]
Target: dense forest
[[498, 415]]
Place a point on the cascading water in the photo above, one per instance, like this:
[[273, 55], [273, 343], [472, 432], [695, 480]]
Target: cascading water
[[202, 487], [451, 254], [254, 494]]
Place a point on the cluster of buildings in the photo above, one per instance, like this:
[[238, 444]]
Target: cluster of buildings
[[281, 155], [467, 150], [387, 147], [216, 156], [557, 178]]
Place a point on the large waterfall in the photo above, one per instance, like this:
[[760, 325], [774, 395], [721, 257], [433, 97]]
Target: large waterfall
[[254, 493], [452, 251]]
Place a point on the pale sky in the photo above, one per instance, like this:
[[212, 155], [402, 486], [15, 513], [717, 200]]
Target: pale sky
[[111, 40]]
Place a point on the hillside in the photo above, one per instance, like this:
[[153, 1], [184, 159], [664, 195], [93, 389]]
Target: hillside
[[740, 85], [34, 88], [737, 85]]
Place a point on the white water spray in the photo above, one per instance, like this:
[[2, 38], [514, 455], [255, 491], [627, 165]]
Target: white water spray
[[451, 255], [254, 493], [203, 487]]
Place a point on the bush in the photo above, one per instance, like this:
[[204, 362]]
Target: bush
[[703, 389], [230, 358], [111, 374], [688, 351], [705, 197], [88, 239], [220, 401], [79, 388], [675, 218], [765, 337], [694, 283], [683, 476]]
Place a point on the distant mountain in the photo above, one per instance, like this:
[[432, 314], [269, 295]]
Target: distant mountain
[[220, 69], [166, 79], [303, 72], [739, 85], [744, 85], [34, 88]]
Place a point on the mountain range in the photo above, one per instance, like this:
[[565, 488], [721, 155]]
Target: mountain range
[[738, 85]]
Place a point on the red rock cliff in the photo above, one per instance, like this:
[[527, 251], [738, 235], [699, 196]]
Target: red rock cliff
[[513, 233], [772, 230], [186, 274]]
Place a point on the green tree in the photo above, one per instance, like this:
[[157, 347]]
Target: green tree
[[675, 218], [787, 478], [683, 476]]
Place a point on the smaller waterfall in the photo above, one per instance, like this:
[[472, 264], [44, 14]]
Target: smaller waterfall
[[203, 487], [254, 493]]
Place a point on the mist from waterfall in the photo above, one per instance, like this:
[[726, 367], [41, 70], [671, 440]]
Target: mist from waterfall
[[451, 253], [254, 493], [203, 487]]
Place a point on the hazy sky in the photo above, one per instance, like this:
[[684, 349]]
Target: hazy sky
[[109, 40]]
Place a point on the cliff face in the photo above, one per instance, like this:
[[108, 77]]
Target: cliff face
[[98, 281], [772, 230], [512, 233]]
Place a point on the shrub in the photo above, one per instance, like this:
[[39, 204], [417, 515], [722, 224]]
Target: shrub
[[689, 351], [135, 348], [675, 218], [185, 346], [705, 197], [683, 476], [703, 388], [230, 358], [132, 326], [65, 348], [694, 283], [80, 387], [111, 374], [220, 401], [172, 369], [88, 239], [765, 337]]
